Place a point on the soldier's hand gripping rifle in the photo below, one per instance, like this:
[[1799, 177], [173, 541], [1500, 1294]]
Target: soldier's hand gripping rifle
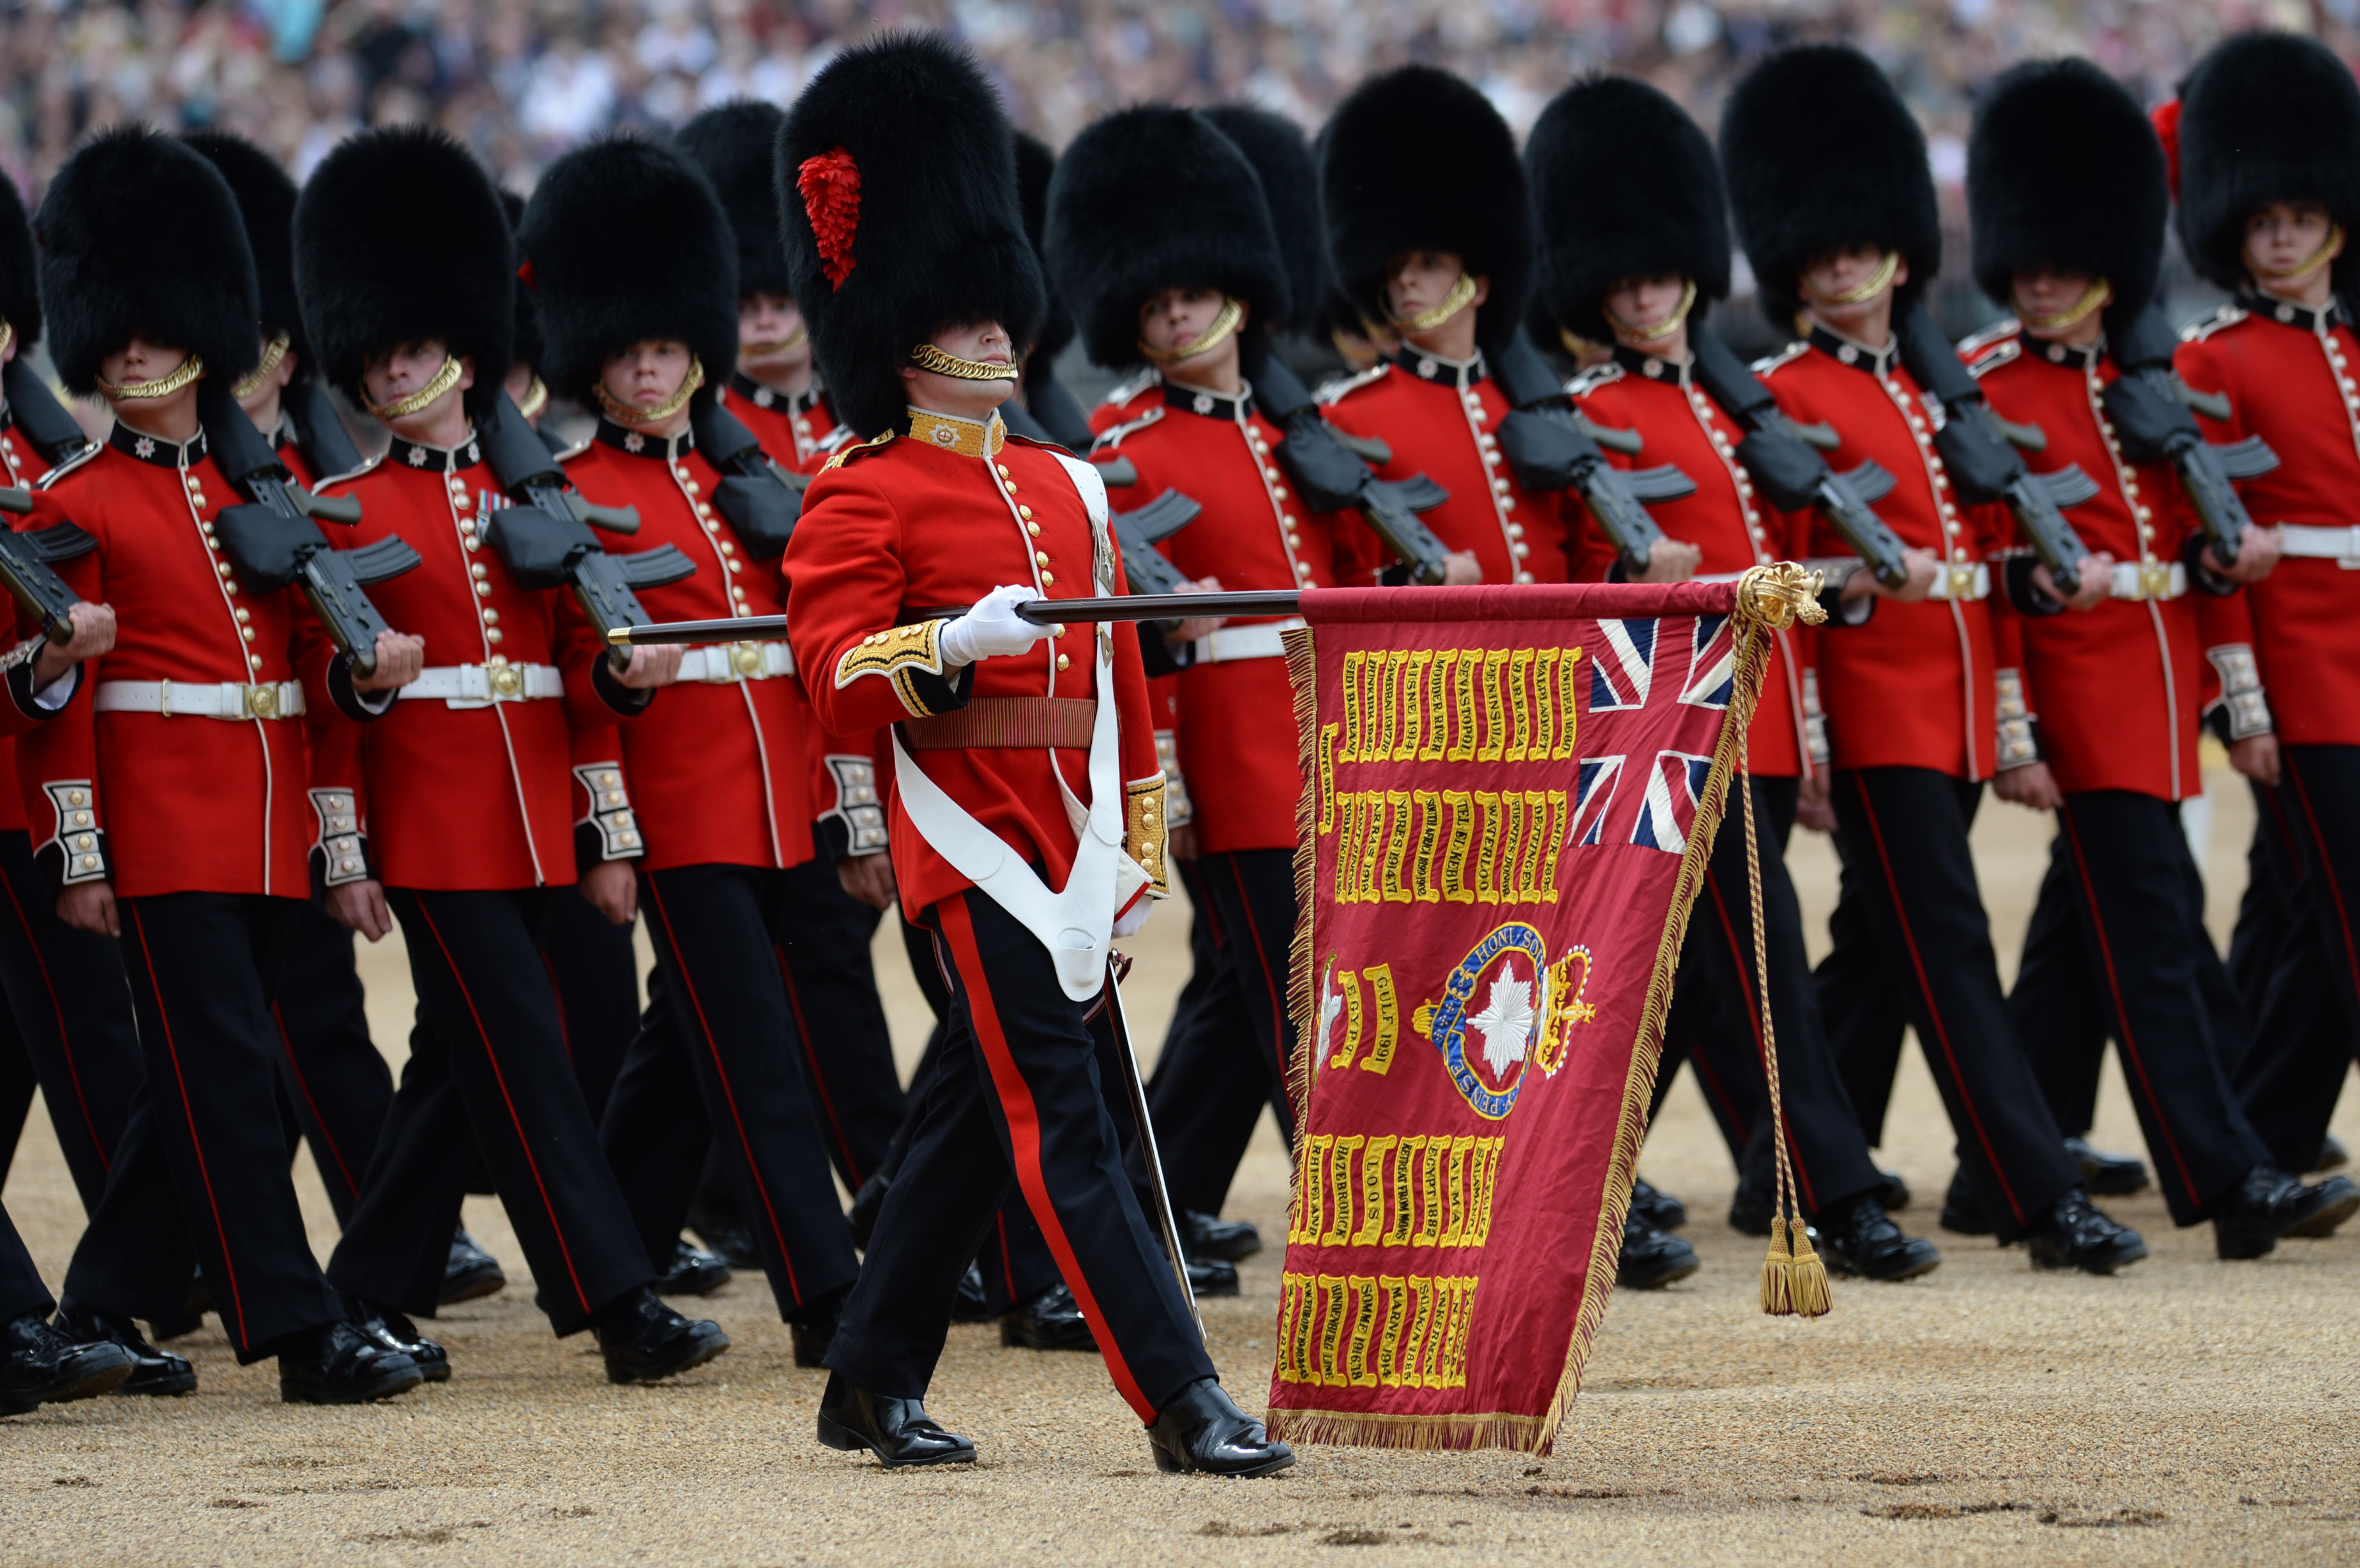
[[1329, 478], [761, 501], [38, 415], [2149, 405], [25, 566], [272, 539], [545, 538], [1781, 458], [1980, 451]]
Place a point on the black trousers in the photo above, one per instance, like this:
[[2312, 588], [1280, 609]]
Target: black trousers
[[203, 1161], [1225, 1054], [2309, 1021], [1019, 1102], [1919, 929], [336, 1079], [2271, 906], [21, 1290], [717, 1066], [489, 1043], [595, 968], [1867, 1031], [824, 935]]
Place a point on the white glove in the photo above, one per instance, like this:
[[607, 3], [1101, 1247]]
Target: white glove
[[993, 629], [1134, 920]]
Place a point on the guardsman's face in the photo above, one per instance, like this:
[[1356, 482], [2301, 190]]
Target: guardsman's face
[[2040, 293], [647, 375], [1831, 276], [1418, 281], [987, 342], [393, 375], [770, 335], [139, 361], [2283, 235], [1641, 304], [1177, 316]]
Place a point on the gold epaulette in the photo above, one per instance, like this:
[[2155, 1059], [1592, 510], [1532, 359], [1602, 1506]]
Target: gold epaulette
[[1113, 434], [1590, 377], [1337, 390], [1788, 355], [849, 453], [2226, 316]]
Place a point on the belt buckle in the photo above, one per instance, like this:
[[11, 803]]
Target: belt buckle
[[1963, 582], [746, 659], [2154, 580], [506, 681], [261, 700]]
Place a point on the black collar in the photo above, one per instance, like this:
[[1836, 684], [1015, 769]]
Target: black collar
[[1653, 367], [1211, 405], [1434, 367], [2254, 302], [433, 459], [2081, 356], [155, 448], [1860, 356], [744, 385], [638, 443]]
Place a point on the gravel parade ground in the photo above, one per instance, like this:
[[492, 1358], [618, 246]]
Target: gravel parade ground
[[2185, 1411]]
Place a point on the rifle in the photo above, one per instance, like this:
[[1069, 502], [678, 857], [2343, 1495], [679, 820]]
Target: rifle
[[2149, 406], [319, 434], [1330, 479], [25, 566], [545, 539], [35, 411], [272, 538], [1778, 453], [1981, 452], [1550, 447], [1138, 532], [760, 500]]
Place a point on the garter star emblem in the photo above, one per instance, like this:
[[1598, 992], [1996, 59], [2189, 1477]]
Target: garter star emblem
[[144, 447], [1503, 1007], [635, 442]]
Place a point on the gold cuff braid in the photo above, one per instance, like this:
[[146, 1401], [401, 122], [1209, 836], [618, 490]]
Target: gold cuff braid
[[897, 654], [1143, 832]]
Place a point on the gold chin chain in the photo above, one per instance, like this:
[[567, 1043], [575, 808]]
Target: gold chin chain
[[442, 381], [1867, 288], [2096, 296], [1662, 328], [535, 398], [8, 333], [1461, 295], [162, 386], [632, 415], [793, 341], [926, 356], [251, 383], [2329, 249], [1206, 342]]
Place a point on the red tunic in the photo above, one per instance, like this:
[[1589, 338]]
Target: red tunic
[[1680, 425], [1127, 402], [792, 427], [2289, 376], [19, 466], [1912, 687], [1437, 417], [717, 768], [895, 533]]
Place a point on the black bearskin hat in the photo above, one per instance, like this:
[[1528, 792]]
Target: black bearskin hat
[[20, 283], [736, 146], [527, 347], [625, 241], [140, 237], [1281, 156], [897, 203], [2265, 117], [1821, 155], [1417, 159], [402, 238], [2064, 171], [1625, 185], [1155, 197], [266, 200], [1036, 165]]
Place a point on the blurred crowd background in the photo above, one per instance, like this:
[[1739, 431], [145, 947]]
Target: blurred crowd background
[[522, 80]]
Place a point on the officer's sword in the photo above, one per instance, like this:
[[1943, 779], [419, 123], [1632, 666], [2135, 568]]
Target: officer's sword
[[1040, 612], [1147, 1149]]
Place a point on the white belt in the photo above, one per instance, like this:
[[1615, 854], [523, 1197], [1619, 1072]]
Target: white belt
[[737, 661], [480, 686], [2150, 579], [201, 699], [1959, 580], [1227, 644], [2341, 545]]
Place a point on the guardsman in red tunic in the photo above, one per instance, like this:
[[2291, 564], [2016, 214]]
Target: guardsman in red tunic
[[1431, 230], [179, 783], [2111, 674], [1836, 212], [2268, 192], [635, 265], [1634, 248], [457, 809], [1026, 804]]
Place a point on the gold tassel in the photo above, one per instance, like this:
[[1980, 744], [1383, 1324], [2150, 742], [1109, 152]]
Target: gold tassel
[[1777, 1282], [1807, 1290]]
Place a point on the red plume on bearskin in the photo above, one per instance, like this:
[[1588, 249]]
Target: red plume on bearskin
[[2165, 117], [830, 185]]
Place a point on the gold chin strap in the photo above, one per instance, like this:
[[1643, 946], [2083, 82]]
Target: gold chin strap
[[1662, 328], [2096, 296], [1461, 295], [535, 398], [1206, 342], [249, 384], [630, 415], [1867, 288], [162, 386], [926, 356], [8, 333], [2329, 249], [794, 340], [441, 382]]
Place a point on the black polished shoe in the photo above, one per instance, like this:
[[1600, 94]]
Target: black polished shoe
[[1050, 1321], [694, 1272], [1894, 1194], [645, 1341], [728, 1238], [1203, 1429], [2332, 1153], [1749, 1212], [1658, 1207], [153, 1371], [336, 1365], [471, 1274], [389, 1330], [1860, 1238], [39, 1365], [2106, 1175], [1211, 1276], [1962, 1209], [1652, 1258], [1209, 1235], [898, 1431], [2269, 1204], [2074, 1233]]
